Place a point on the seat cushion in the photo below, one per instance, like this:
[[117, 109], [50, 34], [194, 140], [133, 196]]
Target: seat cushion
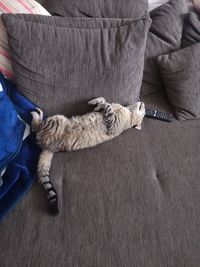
[[132, 201]]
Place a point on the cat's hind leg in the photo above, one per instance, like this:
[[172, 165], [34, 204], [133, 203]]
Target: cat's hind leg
[[41, 114], [109, 115], [44, 166]]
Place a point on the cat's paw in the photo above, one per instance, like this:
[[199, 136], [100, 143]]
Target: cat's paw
[[35, 115], [99, 108], [40, 112], [138, 127], [97, 101]]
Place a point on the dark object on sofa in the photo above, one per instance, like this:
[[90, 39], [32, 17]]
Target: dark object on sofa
[[158, 115]]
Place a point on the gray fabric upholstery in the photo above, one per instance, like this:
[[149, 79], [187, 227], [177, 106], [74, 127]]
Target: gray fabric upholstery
[[191, 30], [130, 202], [98, 8], [85, 58], [133, 201], [164, 36], [42, 2], [180, 72]]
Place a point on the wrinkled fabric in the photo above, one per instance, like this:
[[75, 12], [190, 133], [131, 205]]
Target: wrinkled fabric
[[191, 30], [180, 72], [163, 37], [20, 170], [132, 201], [11, 128], [90, 58], [98, 9], [19, 176]]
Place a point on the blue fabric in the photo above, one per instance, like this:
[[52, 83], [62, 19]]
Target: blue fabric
[[23, 106], [21, 174], [21, 171], [11, 128]]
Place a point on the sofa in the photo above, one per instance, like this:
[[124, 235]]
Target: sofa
[[130, 202]]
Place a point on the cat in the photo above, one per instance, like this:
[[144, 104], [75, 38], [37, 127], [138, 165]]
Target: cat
[[59, 133]]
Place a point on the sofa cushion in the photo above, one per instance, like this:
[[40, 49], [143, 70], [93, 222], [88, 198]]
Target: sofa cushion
[[98, 8], [191, 30], [180, 72], [163, 37], [75, 59]]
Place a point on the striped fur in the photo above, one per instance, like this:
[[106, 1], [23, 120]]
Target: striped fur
[[43, 177], [59, 133]]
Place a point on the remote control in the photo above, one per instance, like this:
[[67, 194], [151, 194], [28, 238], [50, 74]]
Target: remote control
[[158, 115]]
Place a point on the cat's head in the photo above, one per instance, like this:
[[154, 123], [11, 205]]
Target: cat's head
[[137, 114]]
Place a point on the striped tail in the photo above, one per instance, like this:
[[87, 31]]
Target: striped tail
[[44, 166]]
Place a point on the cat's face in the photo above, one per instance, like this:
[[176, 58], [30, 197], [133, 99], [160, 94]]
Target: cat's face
[[130, 116], [137, 114]]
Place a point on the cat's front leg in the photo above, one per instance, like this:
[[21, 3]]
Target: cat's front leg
[[97, 101], [110, 118], [100, 107]]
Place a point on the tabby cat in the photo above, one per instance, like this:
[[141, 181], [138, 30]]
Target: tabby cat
[[59, 133]]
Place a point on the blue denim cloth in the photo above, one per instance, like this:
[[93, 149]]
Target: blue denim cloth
[[21, 170], [11, 128], [20, 175]]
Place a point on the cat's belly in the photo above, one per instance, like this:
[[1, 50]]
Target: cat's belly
[[84, 140], [82, 133]]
